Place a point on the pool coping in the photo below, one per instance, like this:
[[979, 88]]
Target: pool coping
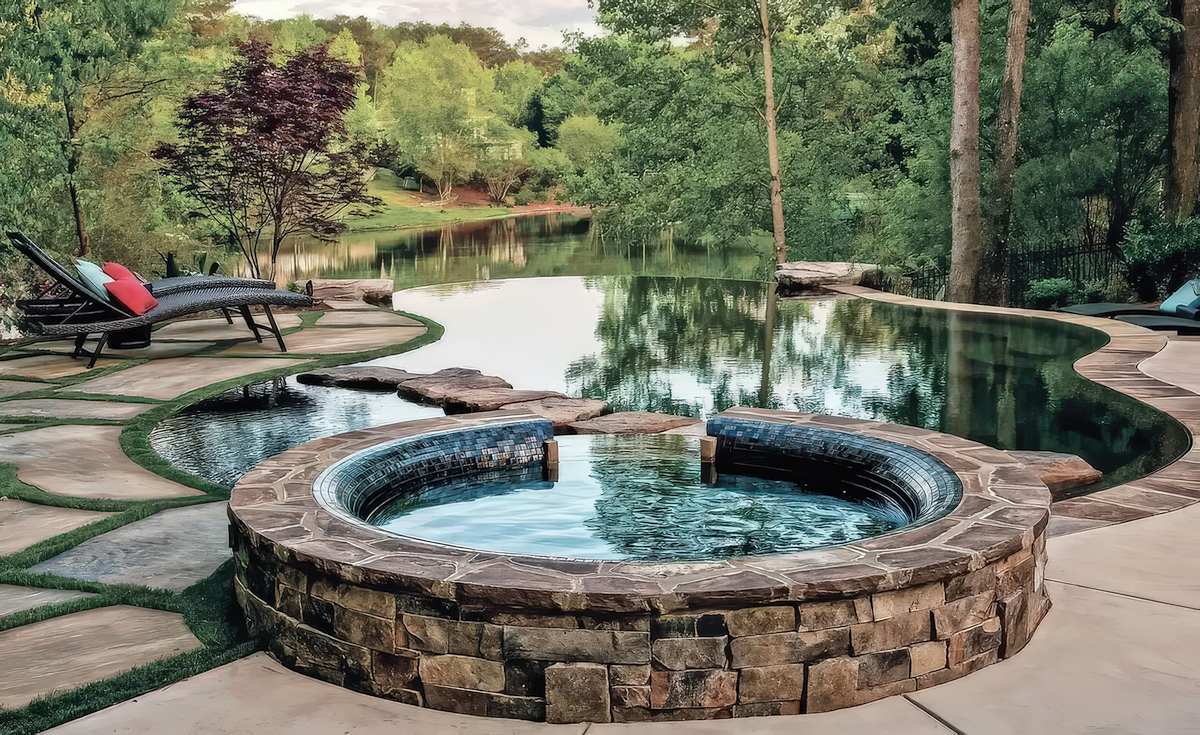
[[1116, 365], [1004, 510]]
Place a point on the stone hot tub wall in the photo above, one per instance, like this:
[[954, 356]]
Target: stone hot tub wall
[[569, 641]]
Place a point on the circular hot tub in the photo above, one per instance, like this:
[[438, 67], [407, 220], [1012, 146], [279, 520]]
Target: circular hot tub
[[819, 563]]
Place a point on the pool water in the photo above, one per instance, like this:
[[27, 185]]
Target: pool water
[[633, 498]]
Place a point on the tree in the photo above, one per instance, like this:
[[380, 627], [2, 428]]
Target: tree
[[344, 47], [966, 232], [517, 83], [293, 35], [586, 138], [744, 27], [993, 285], [1182, 184], [70, 49], [505, 159], [438, 100], [264, 151]]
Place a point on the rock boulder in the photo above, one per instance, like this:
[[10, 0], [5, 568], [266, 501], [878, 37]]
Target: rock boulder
[[371, 290], [444, 385], [805, 276]]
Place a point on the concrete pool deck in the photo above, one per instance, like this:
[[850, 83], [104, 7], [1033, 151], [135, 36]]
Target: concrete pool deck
[[1124, 572]]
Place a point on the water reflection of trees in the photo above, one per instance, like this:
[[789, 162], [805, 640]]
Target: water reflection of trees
[[686, 346], [542, 245]]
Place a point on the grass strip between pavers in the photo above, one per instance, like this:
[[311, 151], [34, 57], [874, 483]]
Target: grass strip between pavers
[[208, 607]]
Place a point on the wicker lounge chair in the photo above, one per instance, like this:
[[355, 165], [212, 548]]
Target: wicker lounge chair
[[1163, 323], [1180, 303], [68, 308]]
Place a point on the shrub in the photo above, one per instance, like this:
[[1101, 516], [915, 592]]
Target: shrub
[[1162, 256], [1050, 292]]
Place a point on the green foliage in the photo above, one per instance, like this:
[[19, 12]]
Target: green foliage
[[1162, 256], [517, 82], [586, 140], [1051, 292]]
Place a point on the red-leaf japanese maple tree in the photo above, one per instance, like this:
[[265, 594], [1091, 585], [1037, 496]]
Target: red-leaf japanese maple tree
[[263, 153]]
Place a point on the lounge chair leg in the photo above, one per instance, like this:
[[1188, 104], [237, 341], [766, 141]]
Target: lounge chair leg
[[250, 323], [228, 317], [275, 328], [80, 341], [99, 348]]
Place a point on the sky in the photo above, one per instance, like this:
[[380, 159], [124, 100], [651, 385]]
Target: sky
[[540, 22]]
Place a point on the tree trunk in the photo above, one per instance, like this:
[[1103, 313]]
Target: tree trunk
[[1008, 137], [966, 236], [1183, 103], [71, 150], [777, 225]]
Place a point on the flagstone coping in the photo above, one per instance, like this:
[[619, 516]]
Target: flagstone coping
[[156, 350], [1003, 508], [1139, 363], [14, 599], [72, 650], [84, 462], [71, 409], [318, 340], [168, 379], [25, 524], [172, 549], [48, 367]]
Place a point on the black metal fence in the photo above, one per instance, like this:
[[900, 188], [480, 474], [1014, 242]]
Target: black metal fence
[[1082, 264]]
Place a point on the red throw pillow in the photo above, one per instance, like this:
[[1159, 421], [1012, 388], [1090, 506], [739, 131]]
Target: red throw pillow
[[118, 272], [132, 294]]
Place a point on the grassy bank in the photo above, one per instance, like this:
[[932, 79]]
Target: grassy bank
[[402, 208]]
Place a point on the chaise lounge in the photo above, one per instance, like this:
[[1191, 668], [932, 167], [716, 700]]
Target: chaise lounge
[[70, 308], [1186, 298]]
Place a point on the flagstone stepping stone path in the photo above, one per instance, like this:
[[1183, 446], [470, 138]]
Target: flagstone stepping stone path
[[217, 330], [490, 399], [562, 411], [68, 409], [632, 422], [445, 384], [172, 549], [358, 377], [14, 599], [330, 341], [84, 462], [167, 379], [1061, 471], [48, 367], [25, 524], [72, 650], [16, 387]]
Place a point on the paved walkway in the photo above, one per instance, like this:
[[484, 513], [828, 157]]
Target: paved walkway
[[1116, 654]]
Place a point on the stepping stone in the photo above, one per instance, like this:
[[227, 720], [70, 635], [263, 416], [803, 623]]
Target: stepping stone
[[70, 409], [25, 524], [562, 411], [632, 422], [155, 350], [15, 599], [172, 550], [84, 462], [490, 399], [372, 318], [331, 341], [167, 379], [16, 387], [445, 384], [360, 377], [72, 650], [210, 330], [48, 367], [699, 428]]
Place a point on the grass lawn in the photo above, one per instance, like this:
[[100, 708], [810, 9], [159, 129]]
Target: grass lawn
[[403, 208]]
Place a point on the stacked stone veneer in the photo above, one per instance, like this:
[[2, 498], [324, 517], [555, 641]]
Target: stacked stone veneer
[[570, 641]]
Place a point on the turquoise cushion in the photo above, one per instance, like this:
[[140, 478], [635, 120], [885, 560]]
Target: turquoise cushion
[[1188, 296], [94, 278]]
